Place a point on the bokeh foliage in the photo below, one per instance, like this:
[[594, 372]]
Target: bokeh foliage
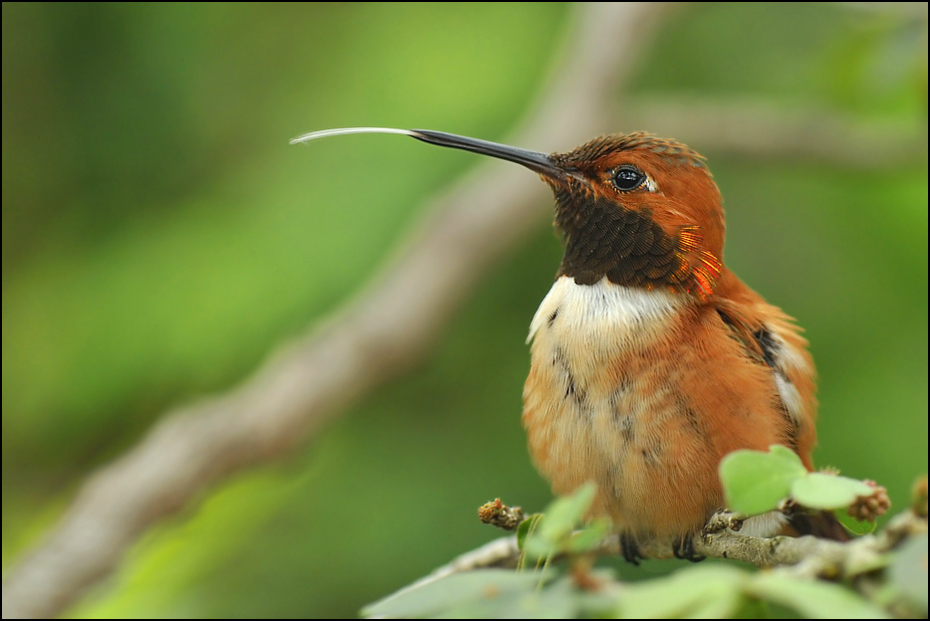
[[159, 237]]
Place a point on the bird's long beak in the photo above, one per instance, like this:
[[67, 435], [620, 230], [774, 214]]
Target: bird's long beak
[[540, 163]]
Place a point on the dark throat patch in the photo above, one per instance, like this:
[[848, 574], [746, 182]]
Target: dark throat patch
[[603, 239]]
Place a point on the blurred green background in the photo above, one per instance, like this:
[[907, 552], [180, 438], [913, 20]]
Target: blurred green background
[[160, 237]]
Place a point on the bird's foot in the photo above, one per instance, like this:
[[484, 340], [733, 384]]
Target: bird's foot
[[683, 548], [629, 549]]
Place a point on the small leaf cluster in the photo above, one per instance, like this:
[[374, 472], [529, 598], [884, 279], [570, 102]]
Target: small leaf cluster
[[541, 592], [707, 591], [546, 535], [755, 482]]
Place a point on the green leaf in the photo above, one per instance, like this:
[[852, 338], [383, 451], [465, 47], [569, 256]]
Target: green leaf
[[908, 573], [526, 527], [462, 590], [826, 491], [755, 482], [786, 455], [814, 599], [564, 514], [537, 547], [588, 539], [856, 527], [713, 591], [598, 603], [561, 517], [559, 600]]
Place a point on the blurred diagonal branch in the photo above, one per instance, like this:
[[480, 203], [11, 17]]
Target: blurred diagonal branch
[[384, 330]]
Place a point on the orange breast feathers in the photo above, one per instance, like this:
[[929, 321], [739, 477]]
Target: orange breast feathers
[[645, 391]]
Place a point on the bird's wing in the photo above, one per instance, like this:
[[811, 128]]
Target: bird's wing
[[769, 338]]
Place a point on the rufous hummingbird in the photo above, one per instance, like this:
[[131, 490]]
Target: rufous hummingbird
[[651, 360]]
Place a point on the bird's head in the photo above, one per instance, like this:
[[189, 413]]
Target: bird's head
[[639, 210]]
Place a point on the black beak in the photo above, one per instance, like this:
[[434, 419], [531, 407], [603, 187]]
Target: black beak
[[538, 162]]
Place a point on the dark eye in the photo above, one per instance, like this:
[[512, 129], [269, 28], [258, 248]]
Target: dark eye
[[628, 178]]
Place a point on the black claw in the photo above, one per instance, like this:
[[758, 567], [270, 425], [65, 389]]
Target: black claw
[[683, 548], [629, 549]]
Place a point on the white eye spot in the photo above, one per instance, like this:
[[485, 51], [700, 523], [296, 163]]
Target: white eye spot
[[650, 184]]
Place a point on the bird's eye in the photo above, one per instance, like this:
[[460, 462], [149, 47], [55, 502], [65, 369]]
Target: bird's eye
[[628, 178]]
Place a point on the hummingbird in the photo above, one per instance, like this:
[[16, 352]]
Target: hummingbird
[[650, 359]]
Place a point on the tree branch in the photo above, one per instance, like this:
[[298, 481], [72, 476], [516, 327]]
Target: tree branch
[[802, 556]]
